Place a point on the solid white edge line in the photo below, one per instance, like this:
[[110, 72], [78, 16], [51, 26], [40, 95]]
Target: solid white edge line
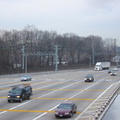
[[93, 102]]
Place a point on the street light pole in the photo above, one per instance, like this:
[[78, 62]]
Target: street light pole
[[93, 53]]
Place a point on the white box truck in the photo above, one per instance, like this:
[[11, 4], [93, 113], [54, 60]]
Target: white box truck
[[102, 65]]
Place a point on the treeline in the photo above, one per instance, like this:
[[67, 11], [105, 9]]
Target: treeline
[[39, 46]]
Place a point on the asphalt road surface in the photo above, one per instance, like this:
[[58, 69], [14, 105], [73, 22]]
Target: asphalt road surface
[[49, 90]]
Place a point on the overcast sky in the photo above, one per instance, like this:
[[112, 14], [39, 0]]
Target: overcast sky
[[82, 17]]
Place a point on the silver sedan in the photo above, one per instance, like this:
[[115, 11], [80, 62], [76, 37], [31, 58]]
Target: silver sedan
[[26, 78]]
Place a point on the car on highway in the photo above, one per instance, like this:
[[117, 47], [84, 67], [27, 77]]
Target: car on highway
[[66, 109], [19, 92], [115, 69], [26, 78], [109, 71], [113, 73], [89, 78]]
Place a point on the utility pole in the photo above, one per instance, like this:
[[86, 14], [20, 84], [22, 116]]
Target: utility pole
[[26, 63], [56, 57], [89, 61], [23, 57], [93, 55], [116, 52], [93, 52]]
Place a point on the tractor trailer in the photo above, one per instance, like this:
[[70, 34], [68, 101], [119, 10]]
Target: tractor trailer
[[102, 65]]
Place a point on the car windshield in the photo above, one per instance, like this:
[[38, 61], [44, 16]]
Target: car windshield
[[89, 76], [113, 71], [15, 91], [97, 65], [64, 106], [25, 76]]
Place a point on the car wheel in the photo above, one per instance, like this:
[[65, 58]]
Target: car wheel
[[21, 99], [75, 111], [56, 116], [71, 114], [28, 97], [9, 101]]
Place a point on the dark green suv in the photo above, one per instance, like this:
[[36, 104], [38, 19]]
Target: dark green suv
[[20, 92]]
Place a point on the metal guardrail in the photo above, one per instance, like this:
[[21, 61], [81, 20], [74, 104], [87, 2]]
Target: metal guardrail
[[97, 108]]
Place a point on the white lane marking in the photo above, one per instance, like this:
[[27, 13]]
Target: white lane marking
[[67, 99], [38, 97], [109, 80], [42, 96], [48, 79], [93, 102], [44, 113]]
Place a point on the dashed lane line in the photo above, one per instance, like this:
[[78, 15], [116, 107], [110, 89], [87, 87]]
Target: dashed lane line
[[67, 89], [65, 101], [48, 94], [34, 99]]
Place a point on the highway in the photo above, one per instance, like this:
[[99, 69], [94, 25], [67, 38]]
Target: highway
[[50, 89]]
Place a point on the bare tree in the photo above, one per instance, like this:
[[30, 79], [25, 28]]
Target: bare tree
[[40, 48]]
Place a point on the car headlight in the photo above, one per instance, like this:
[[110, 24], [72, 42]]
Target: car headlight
[[8, 96], [90, 78], [18, 96]]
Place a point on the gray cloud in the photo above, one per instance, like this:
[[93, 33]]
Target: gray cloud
[[83, 17]]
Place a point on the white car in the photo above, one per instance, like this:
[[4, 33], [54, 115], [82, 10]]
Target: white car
[[115, 69], [26, 78], [113, 73]]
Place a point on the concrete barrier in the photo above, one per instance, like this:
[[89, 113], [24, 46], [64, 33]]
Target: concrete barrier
[[98, 107]]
